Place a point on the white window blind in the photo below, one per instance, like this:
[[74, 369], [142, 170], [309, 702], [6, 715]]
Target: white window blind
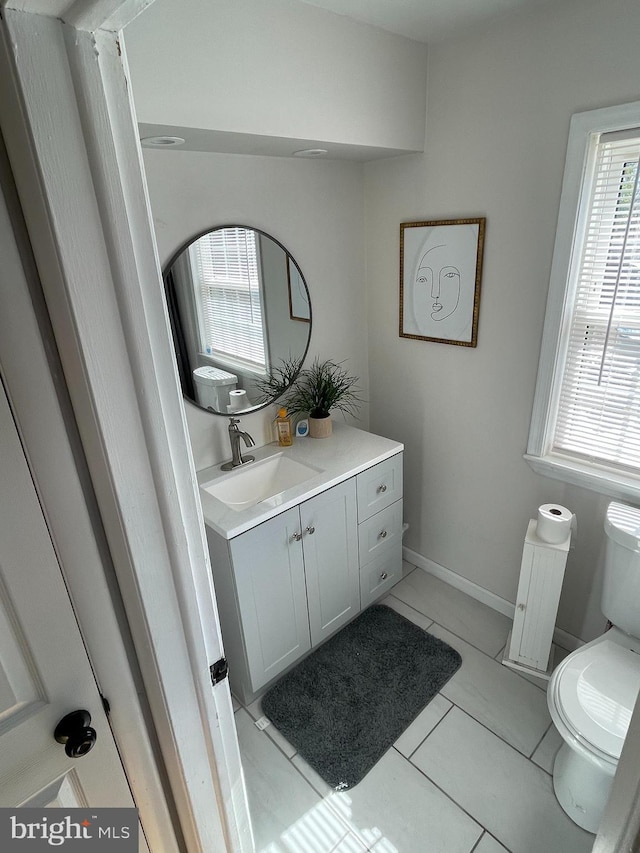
[[598, 410], [226, 268]]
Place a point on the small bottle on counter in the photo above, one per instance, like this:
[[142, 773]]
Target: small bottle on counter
[[283, 426]]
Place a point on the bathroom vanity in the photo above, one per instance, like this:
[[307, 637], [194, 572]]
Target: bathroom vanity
[[299, 545]]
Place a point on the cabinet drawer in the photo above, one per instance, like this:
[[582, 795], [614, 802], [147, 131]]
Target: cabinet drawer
[[380, 532], [379, 575], [379, 487]]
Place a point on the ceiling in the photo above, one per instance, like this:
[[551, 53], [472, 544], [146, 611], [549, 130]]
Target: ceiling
[[423, 20]]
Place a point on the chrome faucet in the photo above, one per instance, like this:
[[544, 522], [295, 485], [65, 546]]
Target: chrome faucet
[[235, 435]]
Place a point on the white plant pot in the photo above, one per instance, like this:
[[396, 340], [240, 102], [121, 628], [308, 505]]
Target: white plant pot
[[320, 427]]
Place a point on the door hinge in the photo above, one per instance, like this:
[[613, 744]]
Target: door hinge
[[219, 670]]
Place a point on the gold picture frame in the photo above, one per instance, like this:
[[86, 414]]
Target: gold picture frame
[[440, 278], [299, 308]]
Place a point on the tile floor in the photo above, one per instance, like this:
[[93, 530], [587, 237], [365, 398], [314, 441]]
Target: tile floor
[[471, 773]]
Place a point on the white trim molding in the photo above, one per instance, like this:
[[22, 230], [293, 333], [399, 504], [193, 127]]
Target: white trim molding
[[580, 149], [71, 137], [588, 475], [495, 602]]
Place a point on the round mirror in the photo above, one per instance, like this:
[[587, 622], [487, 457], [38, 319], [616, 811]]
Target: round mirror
[[241, 318]]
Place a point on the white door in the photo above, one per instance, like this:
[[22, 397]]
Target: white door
[[44, 670]]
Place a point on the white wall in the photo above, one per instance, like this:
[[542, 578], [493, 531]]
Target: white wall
[[499, 104], [278, 68], [312, 207]]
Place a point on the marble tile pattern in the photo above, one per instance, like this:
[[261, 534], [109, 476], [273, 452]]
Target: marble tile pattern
[[471, 774]]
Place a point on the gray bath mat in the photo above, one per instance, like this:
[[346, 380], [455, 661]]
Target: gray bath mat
[[344, 705]]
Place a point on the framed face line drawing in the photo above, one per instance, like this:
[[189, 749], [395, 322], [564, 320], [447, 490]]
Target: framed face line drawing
[[440, 276]]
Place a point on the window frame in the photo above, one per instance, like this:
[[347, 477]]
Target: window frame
[[584, 132]]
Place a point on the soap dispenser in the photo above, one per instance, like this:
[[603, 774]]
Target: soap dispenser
[[283, 427]]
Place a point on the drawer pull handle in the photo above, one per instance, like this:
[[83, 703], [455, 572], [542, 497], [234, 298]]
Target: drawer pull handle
[[381, 488], [382, 534], [384, 576], [296, 537], [310, 530]]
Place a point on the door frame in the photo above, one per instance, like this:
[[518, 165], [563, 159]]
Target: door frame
[[71, 135]]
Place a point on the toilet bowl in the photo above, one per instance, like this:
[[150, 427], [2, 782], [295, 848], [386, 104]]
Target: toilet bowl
[[591, 697], [592, 693]]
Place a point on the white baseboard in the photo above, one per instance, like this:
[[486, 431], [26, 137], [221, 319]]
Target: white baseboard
[[463, 584], [565, 640], [560, 637]]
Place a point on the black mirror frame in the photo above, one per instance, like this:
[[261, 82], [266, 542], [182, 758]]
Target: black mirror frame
[[183, 371]]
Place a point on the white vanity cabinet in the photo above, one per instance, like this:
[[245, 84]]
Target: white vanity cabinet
[[287, 584], [289, 573]]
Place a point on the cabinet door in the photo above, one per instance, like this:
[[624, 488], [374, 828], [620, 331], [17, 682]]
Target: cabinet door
[[269, 573], [330, 538]]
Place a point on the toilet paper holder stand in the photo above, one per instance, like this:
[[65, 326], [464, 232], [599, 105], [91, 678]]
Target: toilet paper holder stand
[[530, 645]]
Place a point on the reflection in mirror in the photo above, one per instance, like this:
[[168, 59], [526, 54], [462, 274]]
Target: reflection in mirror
[[239, 309]]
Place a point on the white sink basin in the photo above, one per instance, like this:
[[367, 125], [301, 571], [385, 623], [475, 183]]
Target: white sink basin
[[258, 481]]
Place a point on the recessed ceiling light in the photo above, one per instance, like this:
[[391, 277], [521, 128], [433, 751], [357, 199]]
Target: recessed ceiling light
[[310, 152], [163, 141]]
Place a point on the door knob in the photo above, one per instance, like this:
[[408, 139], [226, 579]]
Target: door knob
[[76, 734]]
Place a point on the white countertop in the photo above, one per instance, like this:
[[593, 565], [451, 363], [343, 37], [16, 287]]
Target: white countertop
[[347, 452]]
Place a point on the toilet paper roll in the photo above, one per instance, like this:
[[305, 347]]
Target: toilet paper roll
[[554, 523], [238, 400]]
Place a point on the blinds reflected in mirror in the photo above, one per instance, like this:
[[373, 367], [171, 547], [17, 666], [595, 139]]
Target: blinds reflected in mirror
[[229, 300]]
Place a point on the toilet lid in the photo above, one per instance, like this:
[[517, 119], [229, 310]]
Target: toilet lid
[[597, 692]]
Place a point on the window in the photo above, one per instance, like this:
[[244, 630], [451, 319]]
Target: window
[[227, 280], [586, 419]]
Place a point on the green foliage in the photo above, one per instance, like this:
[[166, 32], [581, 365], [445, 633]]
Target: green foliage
[[323, 386], [279, 380]]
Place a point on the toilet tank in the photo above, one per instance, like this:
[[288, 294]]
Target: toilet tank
[[212, 387], [621, 587]]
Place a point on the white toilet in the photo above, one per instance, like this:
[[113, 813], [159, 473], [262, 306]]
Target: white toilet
[[212, 387], [592, 693]]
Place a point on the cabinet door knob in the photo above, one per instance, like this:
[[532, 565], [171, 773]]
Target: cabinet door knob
[[310, 530], [296, 537], [382, 534], [381, 488], [384, 576]]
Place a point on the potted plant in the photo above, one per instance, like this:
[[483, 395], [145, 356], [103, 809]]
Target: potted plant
[[318, 389], [280, 379]]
